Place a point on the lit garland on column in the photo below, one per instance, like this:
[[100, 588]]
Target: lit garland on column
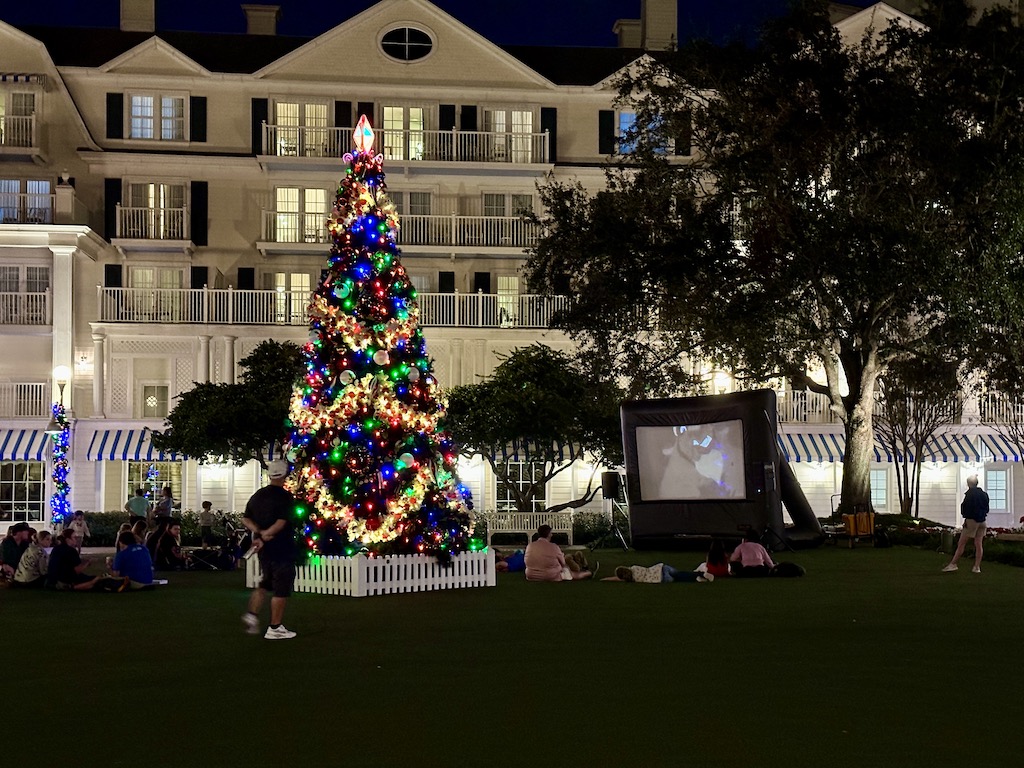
[[372, 463], [60, 507], [153, 481]]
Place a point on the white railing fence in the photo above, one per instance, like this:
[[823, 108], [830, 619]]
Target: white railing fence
[[135, 223], [995, 408], [24, 400], [409, 144], [269, 307], [363, 576], [25, 308], [17, 130]]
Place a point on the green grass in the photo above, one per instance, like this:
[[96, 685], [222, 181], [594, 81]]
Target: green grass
[[875, 658]]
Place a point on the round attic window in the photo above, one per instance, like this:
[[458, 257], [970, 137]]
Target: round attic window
[[406, 43]]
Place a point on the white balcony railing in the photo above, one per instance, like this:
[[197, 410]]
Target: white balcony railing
[[26, 208], [804, 407], [399, 145], [136, 223], [994, 408], [17, 130], [25, 308], [243, 307], [24, 400], [414, 229]]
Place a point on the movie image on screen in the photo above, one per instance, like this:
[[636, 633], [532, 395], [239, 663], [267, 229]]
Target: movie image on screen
[[692, 462]]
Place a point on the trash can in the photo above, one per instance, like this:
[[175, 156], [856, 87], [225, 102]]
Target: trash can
[[946, 541]]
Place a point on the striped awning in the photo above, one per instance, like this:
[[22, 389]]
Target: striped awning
[[951, 447], [125, 445], [22, 77], [22, 444], [999, 448], [820, 446]]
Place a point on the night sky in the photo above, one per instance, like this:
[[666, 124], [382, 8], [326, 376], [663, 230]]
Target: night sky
[[555, 22]]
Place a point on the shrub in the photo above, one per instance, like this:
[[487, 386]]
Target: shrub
[[103, 526]]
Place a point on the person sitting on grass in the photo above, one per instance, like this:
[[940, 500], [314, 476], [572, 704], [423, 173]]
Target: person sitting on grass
[[66, 569], [13, 546], [717, 562], [659, 573], [132, 561], [34, 561], [750, 559], [139, 531], [545, 561], [165, 547]]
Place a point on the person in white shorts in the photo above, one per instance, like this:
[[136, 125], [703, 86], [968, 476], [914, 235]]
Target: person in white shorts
[[974, 510]]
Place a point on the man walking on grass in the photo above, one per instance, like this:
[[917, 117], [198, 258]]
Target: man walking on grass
[[974, 509], [268, 515]]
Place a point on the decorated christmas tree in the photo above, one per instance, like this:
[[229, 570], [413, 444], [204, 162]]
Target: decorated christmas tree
[[373, 466]]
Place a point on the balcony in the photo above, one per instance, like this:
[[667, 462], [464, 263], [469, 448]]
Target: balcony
[[25, 308], [283, 230], [24, 400], [241, 307], [27, 208], [316, 143], [19, 140], [152, 229], [804, 408], [995, 408]]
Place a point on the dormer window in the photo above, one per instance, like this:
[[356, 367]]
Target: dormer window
[[158, 117], [406, 43]]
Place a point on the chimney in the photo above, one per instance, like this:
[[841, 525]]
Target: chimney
[[658, 24], [628, 31], [138, 15], [261, 19]]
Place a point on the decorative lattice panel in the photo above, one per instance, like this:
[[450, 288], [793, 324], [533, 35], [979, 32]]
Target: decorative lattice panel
[[118, 386]]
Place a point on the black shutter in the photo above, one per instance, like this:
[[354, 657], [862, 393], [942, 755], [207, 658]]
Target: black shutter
[[260, 115], [446, 117], [115, 115], [343, 114], [197, 118], [549, 123], [481, 282], [365, 108], [684, 137], [200, 277], [446, 282], [199, 206], [606, 132], [468, 116], [246, 278], [112, 276], [111, 198]]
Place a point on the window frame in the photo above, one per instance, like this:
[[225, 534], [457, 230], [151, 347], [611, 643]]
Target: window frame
[[157, 118], [994, 494], [406, 26], [143, 385], [33, 510], [177, 480], [503, 502], [884, 475]]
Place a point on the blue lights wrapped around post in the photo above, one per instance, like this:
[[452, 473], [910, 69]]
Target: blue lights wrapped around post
[[60, 506]]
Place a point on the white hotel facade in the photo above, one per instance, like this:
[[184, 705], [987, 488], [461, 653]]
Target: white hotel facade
[[162, 200]]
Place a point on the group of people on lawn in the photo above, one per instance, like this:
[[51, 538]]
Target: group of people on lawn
[[147, 542], [545, 561]]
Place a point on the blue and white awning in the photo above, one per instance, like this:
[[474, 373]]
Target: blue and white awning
[[947, 447], [22, 444], [998, 448], [125, 445]]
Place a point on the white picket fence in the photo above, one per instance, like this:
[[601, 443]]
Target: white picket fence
[[363, 576]]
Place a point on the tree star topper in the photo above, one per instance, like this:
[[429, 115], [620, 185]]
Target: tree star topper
[[363, 135]]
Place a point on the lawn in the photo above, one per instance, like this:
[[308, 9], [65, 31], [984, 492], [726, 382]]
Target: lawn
[[875, 658]]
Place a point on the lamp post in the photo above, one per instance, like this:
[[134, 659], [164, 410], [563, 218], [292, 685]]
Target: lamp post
[[59, 430]]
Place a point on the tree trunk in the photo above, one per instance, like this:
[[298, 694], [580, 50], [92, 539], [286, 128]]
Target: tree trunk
[[860, 434]]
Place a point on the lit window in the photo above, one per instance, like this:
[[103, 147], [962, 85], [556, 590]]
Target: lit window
[[144, 122], [22, 491], [154, 402], [521, 475], [995, 486], [880, 489]]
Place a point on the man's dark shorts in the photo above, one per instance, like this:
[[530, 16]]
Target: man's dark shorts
[[278, 577]]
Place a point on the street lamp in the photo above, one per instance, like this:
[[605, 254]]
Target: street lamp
[[59, 430]]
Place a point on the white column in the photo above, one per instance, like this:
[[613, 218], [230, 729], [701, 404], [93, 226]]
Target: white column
[[204, 359], [97, 374], [229, 359], [63, 317]]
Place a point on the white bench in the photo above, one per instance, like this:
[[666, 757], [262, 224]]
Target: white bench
[[526, 523]]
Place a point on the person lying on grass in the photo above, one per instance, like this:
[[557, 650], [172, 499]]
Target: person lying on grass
[[659, 573]]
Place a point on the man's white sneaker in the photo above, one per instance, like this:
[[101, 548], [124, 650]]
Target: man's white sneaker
[[252, 624], [976, 569], [281, 633], [949, 568]]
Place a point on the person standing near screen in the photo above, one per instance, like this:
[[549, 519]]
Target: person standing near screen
[[974, 510], [269, 516]]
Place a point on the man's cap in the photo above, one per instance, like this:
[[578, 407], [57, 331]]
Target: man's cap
[[19, 527], [277, 469]]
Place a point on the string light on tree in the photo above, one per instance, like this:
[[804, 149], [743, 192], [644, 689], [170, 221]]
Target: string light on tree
[[374, 467]]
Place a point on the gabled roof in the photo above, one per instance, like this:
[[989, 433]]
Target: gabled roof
[[154, 56], [875, 18], [574, 66]]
